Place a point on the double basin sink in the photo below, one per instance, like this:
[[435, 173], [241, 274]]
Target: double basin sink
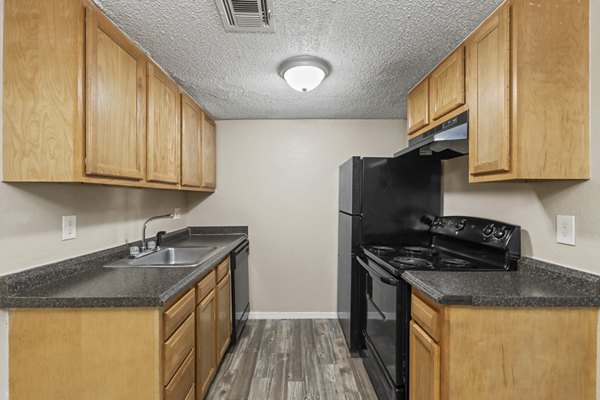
[[169, 257]]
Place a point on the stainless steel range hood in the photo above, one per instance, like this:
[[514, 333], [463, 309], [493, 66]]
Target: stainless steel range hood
[[445, 141]]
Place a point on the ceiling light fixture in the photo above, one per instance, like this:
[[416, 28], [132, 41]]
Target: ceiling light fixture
[[304, 73]]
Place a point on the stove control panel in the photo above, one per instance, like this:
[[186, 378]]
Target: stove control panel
[[481, 231]]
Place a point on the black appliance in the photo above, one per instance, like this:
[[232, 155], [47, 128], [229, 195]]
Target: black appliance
[[384, 201], [240, 302], [445, 141], [457, 244]]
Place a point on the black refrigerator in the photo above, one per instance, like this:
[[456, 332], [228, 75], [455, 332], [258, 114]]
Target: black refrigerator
[[382, 201]]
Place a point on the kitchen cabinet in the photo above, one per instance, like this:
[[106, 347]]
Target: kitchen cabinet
[[144, 353], [163, 146], [209, 153], [223, 314], [447, 84], [425, 365], [528, 97], [501, 353], [417, 105], [439, 96], [191, 142], [198, 150], [82, 103], [115, 101], [206, 334]]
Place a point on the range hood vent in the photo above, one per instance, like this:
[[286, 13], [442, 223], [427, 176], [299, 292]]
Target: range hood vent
[[447, 140], [246, 15]]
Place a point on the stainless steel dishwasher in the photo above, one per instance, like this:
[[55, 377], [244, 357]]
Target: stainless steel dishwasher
[[241, 289]]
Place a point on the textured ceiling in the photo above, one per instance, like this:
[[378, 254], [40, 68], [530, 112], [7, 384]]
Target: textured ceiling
[[378, 50]]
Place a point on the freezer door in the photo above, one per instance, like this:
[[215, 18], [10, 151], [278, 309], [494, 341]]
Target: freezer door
[[350, 186]]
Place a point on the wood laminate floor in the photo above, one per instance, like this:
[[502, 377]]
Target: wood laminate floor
[[291, 360]]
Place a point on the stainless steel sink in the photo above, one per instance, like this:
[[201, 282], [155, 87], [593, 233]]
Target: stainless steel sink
[[169, 257]]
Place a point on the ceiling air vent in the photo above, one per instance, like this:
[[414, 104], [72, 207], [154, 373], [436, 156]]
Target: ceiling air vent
[[246, 15]]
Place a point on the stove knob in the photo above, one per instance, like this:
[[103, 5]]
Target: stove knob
[[499, 234], [488, 230]]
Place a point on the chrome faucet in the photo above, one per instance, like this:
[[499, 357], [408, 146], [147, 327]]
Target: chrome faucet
[[144, 247]]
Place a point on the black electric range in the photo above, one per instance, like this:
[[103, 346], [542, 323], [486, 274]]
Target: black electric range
[[457, 244]]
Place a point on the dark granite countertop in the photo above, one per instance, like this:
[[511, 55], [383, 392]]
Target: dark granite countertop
[[534, 284], [83, 282]]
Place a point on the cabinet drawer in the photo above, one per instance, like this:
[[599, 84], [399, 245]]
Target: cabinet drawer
[[222, 269], [207, 284], [183, 380], [427, 317], [178, 312], [177, 347]]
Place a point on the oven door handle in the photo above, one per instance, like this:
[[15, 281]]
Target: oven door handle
[[371, 270]]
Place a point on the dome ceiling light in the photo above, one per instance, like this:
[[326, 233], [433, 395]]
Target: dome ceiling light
[[304, 73]]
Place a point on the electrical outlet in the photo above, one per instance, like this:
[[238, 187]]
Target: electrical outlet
[[177, 213], [565, 229], [69, 227]]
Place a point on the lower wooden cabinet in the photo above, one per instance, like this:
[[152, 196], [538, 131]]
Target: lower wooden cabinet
[[213, 325], [206, 338], [424, 365], [496, 353], [223, 315], [123, 353]]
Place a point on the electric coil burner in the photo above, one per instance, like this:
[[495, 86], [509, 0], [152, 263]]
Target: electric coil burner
[[382, 250], [456, 244], [411, 262]]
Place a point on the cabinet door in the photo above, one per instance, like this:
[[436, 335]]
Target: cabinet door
[[209, 153], [163, 127], [191, 142], [488, 58], [206, 343], [116, 106], [424, 365], [223, 316], [448, 84], [418, 107]]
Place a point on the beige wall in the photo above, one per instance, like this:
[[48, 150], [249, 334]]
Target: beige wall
[[31, 217], [535, 205], [280, 178]]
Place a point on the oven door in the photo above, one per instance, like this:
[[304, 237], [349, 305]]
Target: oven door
[[382, 303]]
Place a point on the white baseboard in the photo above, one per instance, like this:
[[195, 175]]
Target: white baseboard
[[292, 315]]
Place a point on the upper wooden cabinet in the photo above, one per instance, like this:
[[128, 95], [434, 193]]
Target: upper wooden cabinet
[[163, 149], [439, 95], [528, 93], [209, 153], [523, 75], [418, 107], [115, 101], [447, 84], [191, 142], [82, 103], [489, 73]]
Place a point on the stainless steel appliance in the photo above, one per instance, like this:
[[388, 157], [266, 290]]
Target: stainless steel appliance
[[457, 244], [240, 303], [447, 140], [381, 200]]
